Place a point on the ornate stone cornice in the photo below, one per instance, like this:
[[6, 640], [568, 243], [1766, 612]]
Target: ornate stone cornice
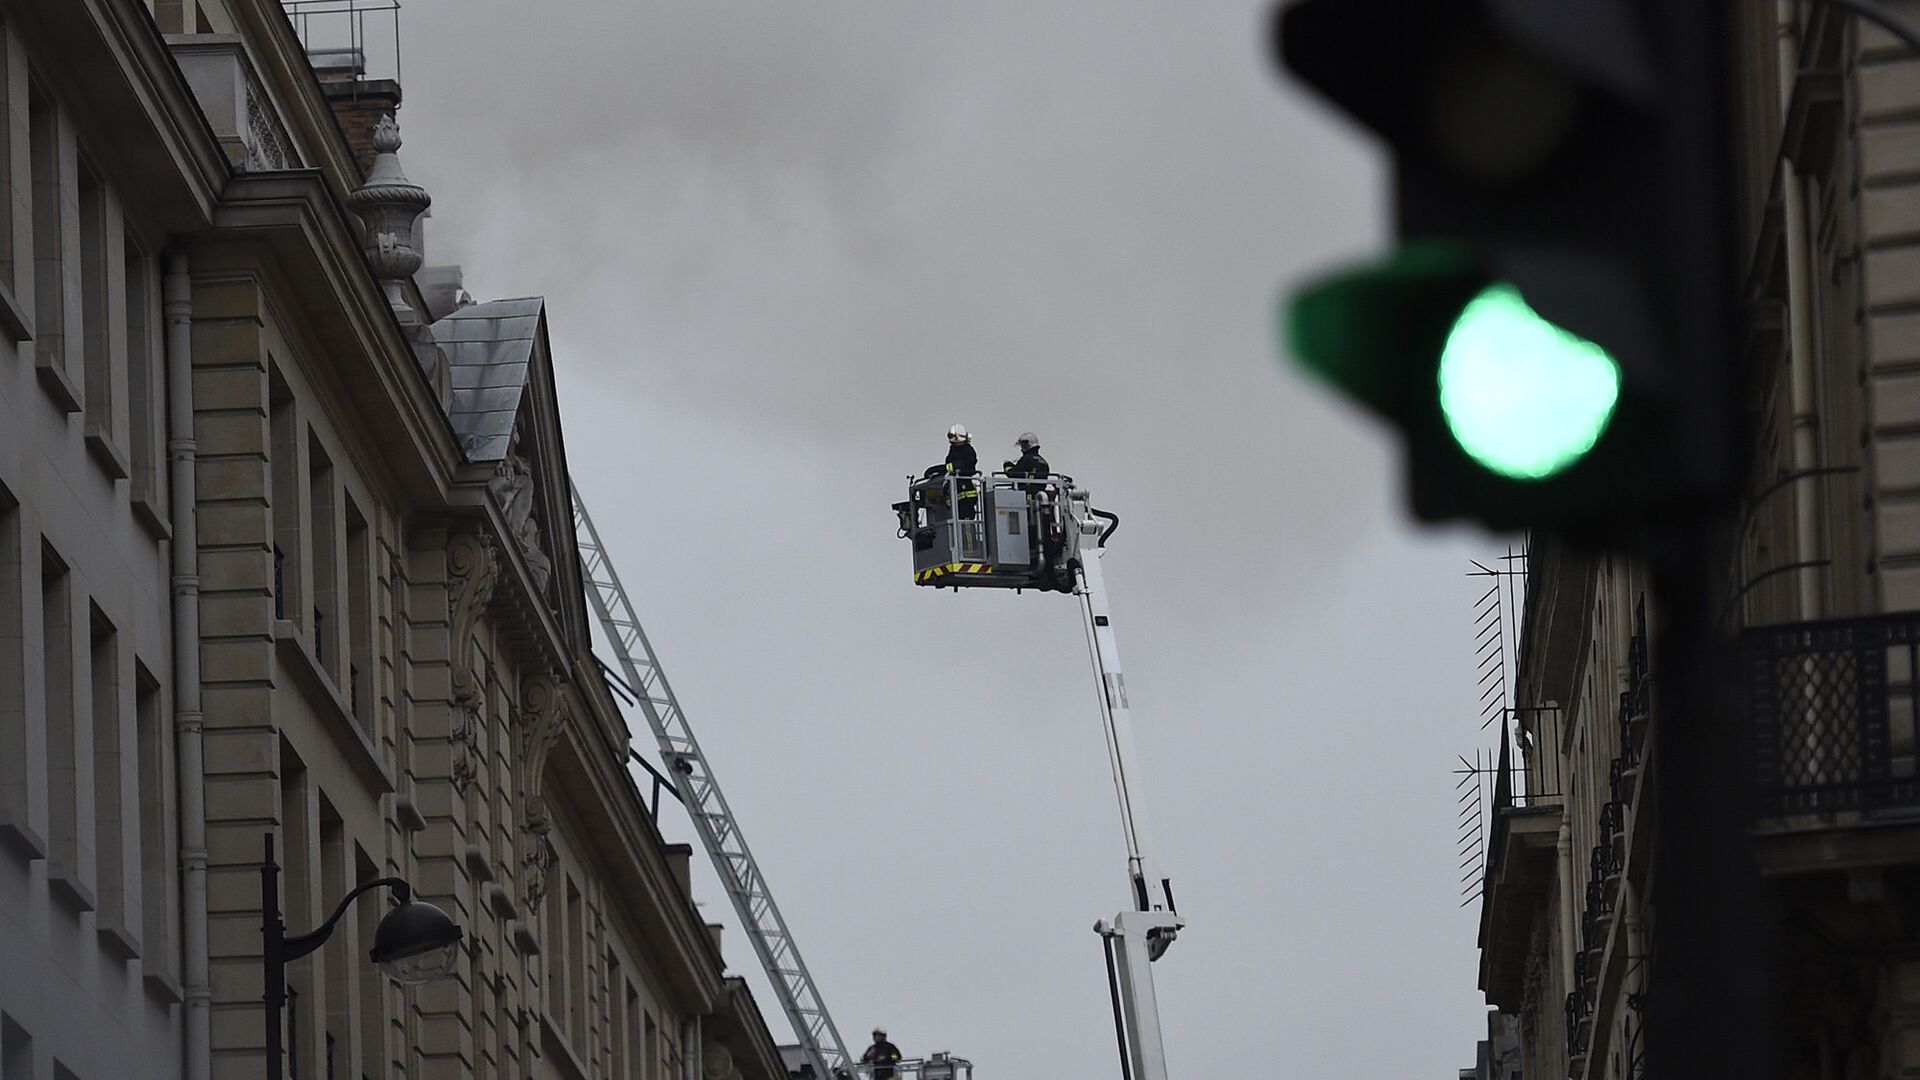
[[542, 713], [473, 568]]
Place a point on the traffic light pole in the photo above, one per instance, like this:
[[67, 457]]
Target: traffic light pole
[[1715, 961]]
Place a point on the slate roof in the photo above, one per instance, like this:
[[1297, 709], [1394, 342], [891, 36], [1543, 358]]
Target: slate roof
[[489, 348]]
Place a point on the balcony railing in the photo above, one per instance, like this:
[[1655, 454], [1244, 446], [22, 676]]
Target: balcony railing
[[1834, 714]]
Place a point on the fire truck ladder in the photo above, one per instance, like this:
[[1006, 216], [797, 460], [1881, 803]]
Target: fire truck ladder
[[712, 819]]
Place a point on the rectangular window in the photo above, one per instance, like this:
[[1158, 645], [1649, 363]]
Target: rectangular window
[[616, 1019], [631, 1011], [49, 265], [338, 951], [284, 431], [295, 852], [23, 773], [373, 984], [650, 1063], [556, 953], [69, 860], [113, 802], [359, 617], [96, 328], [16, 1050], [146, 397], [159, 904], [7, 279], [325, 548], [576, 967]]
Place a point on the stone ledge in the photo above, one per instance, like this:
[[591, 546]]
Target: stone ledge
[[163, 987], [22, 839], [14, 322], [117, 939], [72, 893], [56, 382], [103, 448]]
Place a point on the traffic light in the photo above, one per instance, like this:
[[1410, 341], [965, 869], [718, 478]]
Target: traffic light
[[1552, 336]]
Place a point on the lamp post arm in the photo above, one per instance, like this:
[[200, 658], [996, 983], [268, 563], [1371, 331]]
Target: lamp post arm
[[300, 945]]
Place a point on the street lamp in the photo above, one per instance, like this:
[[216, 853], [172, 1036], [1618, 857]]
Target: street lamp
[[415, 943]]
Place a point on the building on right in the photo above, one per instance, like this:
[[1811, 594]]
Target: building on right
[[1821, 588]]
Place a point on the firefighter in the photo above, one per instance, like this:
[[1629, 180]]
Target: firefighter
[[882, 1054], [1031, 465], [961, 459]]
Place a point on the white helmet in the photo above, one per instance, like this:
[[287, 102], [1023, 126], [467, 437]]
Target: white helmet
[[958, 431], [1027, 440], [882, 1032]]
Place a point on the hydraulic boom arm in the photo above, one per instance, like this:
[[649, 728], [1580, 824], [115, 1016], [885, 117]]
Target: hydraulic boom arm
[[1138, 937]]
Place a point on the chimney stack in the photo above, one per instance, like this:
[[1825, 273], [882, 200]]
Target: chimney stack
[[358, 102]]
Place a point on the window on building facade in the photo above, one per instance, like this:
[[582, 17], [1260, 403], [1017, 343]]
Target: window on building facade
[[98, 374], [555, 952], [49, 264], [576, 947], [359, 615], [650, 1052], [324, 548], [64, 781], [16, 1049], [146, 396], [112, 816], [159, 886], [284, 451], [7, 278], [636, 1051], [373, 984], [16, 767], [616, 1018], [293, 850], [339, 989]]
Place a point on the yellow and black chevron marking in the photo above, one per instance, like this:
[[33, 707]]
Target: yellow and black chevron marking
[[937, 572]]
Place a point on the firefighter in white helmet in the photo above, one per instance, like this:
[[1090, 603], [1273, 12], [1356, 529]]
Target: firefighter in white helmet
[[882, 1054]]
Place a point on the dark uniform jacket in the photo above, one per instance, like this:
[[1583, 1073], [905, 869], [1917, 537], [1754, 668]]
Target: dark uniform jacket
[[881, 1056], [1031, 465], [961, 459]]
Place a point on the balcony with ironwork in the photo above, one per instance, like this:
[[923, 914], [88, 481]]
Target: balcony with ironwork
[[1527, 807], [1834, 716]]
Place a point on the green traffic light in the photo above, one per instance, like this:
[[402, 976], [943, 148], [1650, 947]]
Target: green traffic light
[[1522, 396]]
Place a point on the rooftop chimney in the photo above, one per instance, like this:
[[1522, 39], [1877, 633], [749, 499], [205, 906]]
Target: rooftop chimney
[[358, 102]]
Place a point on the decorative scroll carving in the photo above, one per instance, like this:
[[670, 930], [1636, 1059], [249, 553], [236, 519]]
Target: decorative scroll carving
[[512, 486], [472, 570], [264, 151], [543, 710], [536, 865]]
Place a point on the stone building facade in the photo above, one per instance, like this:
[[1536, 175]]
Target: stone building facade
[[1822, 590], [281, 555]]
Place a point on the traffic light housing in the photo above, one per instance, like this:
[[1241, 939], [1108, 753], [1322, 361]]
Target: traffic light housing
[[1552, 335]]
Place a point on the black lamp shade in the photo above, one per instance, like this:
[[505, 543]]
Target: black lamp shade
[[416, 943]]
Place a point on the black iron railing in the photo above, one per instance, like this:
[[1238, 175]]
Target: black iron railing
[[1834, 714], [1606, 864]]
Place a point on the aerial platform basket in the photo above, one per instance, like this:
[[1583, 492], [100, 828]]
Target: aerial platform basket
[[993, 532]]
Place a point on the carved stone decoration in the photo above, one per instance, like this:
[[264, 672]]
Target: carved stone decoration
[[512, 486], [543, 710], [472, 570], [263, 142], [388, 203], [536, 865]]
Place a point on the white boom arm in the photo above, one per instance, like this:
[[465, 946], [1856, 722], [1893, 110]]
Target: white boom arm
[[1134, 938]]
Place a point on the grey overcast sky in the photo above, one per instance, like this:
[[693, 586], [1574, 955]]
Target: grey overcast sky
[[783, 246]]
